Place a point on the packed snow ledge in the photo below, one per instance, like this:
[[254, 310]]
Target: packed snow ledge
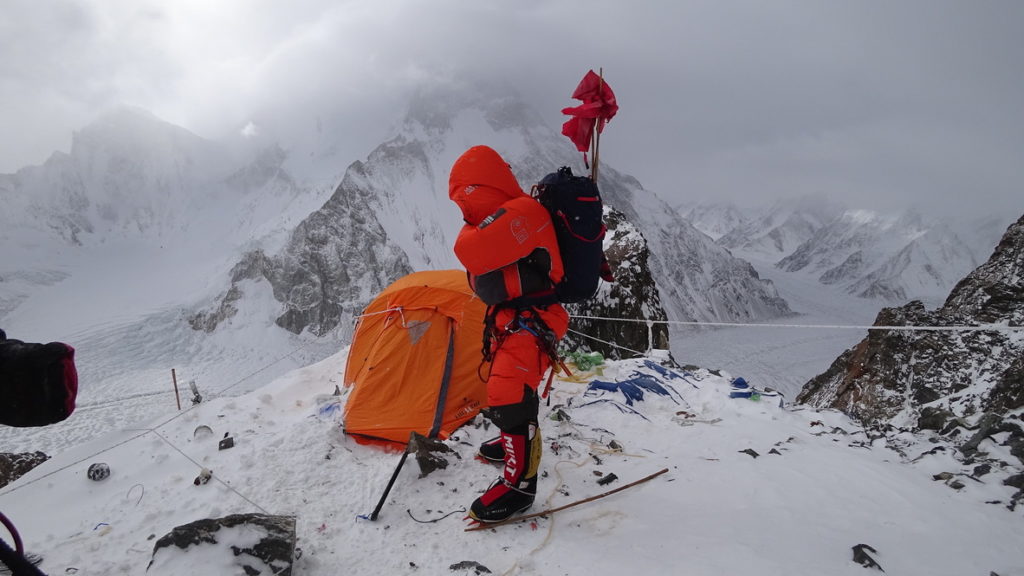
[[754, 487]]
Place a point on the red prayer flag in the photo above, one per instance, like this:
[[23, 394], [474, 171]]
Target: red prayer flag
[[598, 108]]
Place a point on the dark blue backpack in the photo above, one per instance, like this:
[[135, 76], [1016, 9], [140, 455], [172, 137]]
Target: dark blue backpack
[[576, 210]]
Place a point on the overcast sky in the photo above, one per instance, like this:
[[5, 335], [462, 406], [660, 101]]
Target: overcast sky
[[884, 102]]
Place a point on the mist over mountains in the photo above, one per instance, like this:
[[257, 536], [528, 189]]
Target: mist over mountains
[[132, 178], [150, 248], [888, 257]]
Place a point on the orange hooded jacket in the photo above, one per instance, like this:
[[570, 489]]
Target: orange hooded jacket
[[508, 237], [509, 248]]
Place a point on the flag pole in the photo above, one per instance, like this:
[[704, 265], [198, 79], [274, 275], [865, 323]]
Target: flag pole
[[597, 130]]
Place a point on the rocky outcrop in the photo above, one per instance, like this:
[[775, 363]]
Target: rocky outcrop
[[945, 380], [335, 261], [16, 465], [254, 544], [633, 295]]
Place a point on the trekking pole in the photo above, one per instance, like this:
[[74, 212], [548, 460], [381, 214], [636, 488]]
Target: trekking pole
[[394, 476]]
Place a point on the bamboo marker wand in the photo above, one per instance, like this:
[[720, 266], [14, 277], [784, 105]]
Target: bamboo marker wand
[[598, 124]]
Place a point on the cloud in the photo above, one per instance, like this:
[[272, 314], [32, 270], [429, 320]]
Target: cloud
[[900, 102]]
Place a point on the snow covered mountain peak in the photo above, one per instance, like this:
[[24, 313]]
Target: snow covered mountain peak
[[129, 175], [124, 128], [398, 201], [774, 232], [893, 257]]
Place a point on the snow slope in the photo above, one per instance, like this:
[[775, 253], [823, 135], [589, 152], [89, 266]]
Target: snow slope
[[719, 510], [783, 358]]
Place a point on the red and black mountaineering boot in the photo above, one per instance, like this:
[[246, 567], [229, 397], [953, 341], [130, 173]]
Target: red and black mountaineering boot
[[517, 487], [492, 450]]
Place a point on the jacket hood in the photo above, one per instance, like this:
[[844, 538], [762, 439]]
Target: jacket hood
[[480, 182]]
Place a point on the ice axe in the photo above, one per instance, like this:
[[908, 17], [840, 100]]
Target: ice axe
[[422, 446], [394, 476]]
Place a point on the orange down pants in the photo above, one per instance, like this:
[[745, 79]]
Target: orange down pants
[[520, 362]]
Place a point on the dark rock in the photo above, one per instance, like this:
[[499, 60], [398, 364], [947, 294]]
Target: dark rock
[[477, 567], [933, 418], [750, 451], [16, 465], [982, 469], [935, 450], [924, 395], [425, 450], [1016, 445], [952, 428], [1017, 481], [987, 425], [861, 556], [272, 555], [1008, 393], [207, 321]]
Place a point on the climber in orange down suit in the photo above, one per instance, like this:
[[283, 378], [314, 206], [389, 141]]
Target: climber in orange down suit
[[510, 251]]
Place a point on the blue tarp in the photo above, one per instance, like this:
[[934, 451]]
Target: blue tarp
[[633, 389], [669, 374]]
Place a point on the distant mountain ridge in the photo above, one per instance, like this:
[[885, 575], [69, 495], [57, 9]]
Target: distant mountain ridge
[[131, 176], [893, 258], [889, 257], [781, 228], [399, 197]]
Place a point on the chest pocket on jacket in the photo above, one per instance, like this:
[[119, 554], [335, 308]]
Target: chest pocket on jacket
[[525, 277]]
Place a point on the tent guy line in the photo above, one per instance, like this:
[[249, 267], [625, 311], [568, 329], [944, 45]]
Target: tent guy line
[[154, 429], [201, 467]]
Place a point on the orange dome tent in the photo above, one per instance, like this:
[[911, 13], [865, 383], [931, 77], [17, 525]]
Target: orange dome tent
[[414, 359]]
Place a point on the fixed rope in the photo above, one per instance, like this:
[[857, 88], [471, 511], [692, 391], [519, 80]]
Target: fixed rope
[[612, 344], [955, 328], [144, 431]]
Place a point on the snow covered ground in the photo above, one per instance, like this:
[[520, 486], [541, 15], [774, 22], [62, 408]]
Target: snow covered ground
[[717, 511], [817, 487]]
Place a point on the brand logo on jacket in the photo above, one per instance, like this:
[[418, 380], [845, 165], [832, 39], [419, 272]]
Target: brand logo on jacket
[[519, 231]]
